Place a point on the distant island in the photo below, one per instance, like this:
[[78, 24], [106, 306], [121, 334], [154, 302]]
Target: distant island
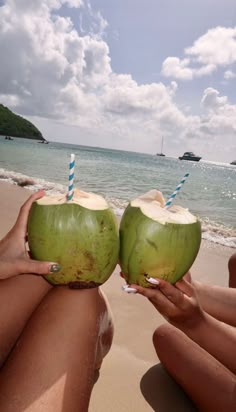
[[14, 125]]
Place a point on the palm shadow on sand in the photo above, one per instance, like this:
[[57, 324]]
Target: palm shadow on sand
[[162, 393]]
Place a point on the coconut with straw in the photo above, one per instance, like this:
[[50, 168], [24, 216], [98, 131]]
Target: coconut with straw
[[79, 232], [157, 239]]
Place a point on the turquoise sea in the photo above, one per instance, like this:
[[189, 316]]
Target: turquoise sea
[[209, 192]]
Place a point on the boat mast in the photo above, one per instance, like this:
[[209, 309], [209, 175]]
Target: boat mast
[[162, 144]]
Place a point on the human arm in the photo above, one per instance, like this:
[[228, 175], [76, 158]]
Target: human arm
[[218, 301], [179, 305], [14, 257]]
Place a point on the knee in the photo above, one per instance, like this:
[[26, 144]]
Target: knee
[[232, 271], [164, 337], [232, 264]]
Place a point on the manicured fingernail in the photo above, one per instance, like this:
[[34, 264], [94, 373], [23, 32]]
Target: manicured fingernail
[[124, 287], [127, 289], [153, 281], [55, 268]]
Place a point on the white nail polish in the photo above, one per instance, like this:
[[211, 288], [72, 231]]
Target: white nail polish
[[127, 289], [153, 281], [124, 287]]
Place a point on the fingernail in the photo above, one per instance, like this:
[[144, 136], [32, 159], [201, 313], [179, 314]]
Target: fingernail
[[55, 268], [127, 289], [153, 281]]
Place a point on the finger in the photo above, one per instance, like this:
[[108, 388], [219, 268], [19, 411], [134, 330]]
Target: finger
[[147, 292], [128, 289], [188, 277], [171, 292], [21, 222], [37, 267], [7, 270], [185, 287], [153, 281], [10, 268], [158, 299]]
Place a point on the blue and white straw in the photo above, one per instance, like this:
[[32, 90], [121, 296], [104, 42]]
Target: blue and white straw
[[71, 177], [170, 200]]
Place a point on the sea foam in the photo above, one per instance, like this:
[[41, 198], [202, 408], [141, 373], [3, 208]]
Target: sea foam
[[211, 231]]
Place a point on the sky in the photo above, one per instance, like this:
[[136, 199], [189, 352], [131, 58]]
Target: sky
[[123, 74]]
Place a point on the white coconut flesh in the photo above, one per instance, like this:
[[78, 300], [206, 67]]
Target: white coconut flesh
[[87, 200], [152, 205]]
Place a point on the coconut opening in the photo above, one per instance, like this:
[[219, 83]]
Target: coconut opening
[[88, 200], [152, 205]]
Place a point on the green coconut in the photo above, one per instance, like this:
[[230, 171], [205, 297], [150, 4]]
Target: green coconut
[[81, 235], [157, 242]]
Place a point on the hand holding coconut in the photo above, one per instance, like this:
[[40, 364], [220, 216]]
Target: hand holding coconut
[[80, 234], [14, 257], [177, 303], [157, 241], [79, 231]]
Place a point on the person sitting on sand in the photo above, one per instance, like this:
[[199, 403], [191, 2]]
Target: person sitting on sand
[[52, 339], [197, 346]]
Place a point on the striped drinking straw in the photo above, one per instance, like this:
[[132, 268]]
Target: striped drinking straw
[[71, 177], [170, 200]]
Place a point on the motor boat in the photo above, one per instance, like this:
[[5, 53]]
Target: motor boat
[[190, 156]]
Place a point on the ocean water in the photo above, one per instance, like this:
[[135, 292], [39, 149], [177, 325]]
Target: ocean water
[[209, 192]]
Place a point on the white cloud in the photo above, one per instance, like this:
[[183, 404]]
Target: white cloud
[[218, 122], [51, 71], [229, 75], [65, 76], [216, 48], [174, 67], [180, 69], [220, 125], [212, 100]]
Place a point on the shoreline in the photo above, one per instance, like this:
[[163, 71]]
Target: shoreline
[[212, 232], [131, 370]]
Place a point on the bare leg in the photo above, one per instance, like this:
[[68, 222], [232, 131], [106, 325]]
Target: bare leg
[[209, 384], [218, 301], [52, 366], [19, 296], [232, 271]]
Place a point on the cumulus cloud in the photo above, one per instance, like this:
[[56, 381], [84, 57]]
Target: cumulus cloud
[[212, 100], [50, 70], [219, 119], [180, 69], [53, 71], [229, 74], [174, 67], [45, 59], [216, 48]]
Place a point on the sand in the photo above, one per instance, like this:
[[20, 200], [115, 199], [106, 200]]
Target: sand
[[131, 378]]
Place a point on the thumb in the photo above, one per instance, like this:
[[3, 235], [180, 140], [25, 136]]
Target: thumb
[[10, 268], [37, 267]]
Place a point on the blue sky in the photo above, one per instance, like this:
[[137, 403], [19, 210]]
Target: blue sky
[[142, 34], [122, 74]]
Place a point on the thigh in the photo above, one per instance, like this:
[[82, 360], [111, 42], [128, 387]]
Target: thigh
[[19, 296], [232, 271], [208, 383], [52, 366]]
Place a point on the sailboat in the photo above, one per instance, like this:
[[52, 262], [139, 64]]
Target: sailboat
[[161, 154]]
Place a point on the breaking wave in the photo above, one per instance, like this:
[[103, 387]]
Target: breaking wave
[[211, 231]]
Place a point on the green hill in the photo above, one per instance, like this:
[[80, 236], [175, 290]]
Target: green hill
[[14, 125]]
